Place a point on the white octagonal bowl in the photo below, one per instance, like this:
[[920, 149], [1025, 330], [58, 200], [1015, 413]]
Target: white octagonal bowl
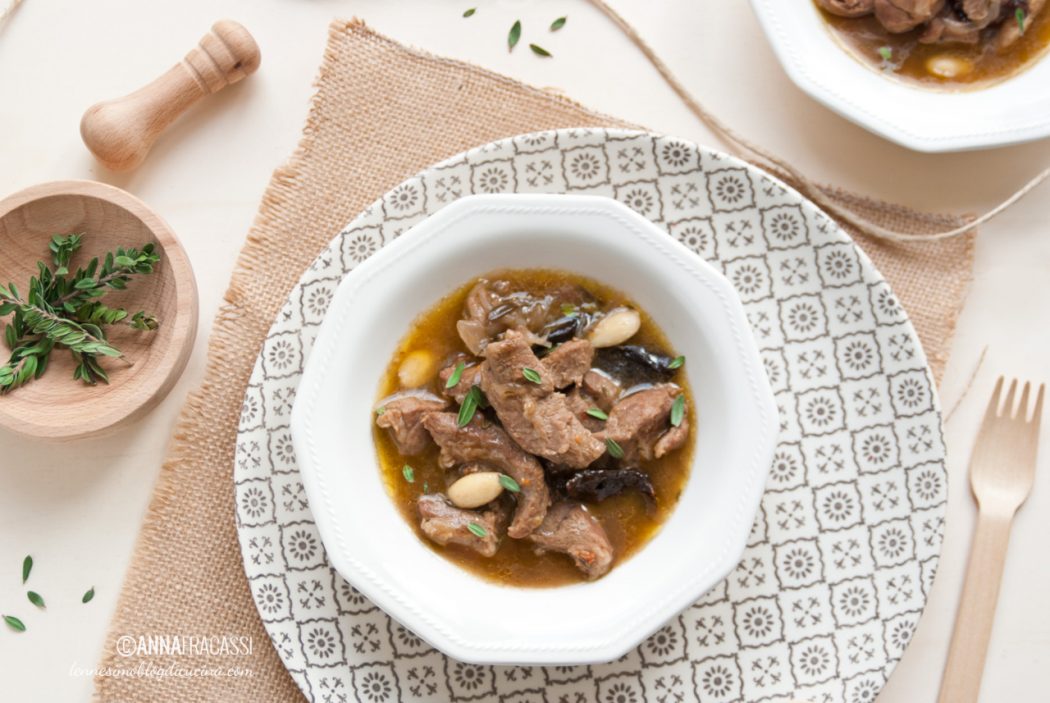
[[467, 617], [1012, 111]]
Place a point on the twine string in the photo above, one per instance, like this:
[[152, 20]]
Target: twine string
[[820, 194], [9, 7]]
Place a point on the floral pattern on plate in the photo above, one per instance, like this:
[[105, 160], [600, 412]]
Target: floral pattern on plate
[[846, 541]]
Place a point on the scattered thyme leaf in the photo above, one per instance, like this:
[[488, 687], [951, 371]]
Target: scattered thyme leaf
[[88, 596], [598, 413], [509, 483], [470, 12], [36, 599], [477, 530], [27, 567], [539, 50], [14, 623], [614, 448], [676, 363], [531, 375], [558, 24], [886, 53], [457, 374], [514, 35], [470, 406], [409, 473], [678, 410], [1019, 13]]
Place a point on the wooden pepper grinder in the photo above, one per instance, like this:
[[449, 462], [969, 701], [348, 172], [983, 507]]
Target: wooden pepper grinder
[[120, 132]]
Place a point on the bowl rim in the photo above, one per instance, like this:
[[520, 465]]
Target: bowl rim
[[893, 108], [615, 642], [173, 360]]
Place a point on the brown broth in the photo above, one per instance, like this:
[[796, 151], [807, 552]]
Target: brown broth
[[624, 517], [864, 36]]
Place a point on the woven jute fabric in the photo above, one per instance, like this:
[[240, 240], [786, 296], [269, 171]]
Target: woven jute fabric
[[381, 113]]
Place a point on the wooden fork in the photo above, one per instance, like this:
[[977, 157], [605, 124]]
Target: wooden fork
[[1002, 470]]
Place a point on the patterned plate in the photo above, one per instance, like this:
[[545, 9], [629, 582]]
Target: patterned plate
[[845, 545]]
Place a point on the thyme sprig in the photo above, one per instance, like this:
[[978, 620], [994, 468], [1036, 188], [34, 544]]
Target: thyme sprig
[[65, 310]]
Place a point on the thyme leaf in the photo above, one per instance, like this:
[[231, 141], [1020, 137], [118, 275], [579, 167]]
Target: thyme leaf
[[514, 35]]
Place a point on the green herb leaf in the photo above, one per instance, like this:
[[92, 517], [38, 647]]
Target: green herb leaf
[[558, 24], [514, 35], [380, 410], [27, 567], [89, 595], [477, 530], [409, 473], [1020, 15], [469, 407], [568, 309], [426, 487], [614, 449], [470, 12], [509, 483], [539, 50], [531, 375], [886, 53], [597, 412], [678, 410], [457, 374], [14, 623], [35, 599], [676, 363], [64, 310]]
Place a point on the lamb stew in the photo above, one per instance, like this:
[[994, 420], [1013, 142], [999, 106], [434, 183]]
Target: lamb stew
[[942, 43], [535, 427]]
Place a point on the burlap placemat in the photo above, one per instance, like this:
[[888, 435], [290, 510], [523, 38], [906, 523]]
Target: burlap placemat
[[381, 112]]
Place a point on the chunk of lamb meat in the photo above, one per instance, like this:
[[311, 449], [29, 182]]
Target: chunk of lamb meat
[[446, 524], [469, 377], [534, 414], [641, 424], [961, 23], [981, 12], [905, 15], [848, 8], [948, 29], [569, 528], [493, 307], [597, 390], [567, 363], [403, 415], [485, 443], [1010, 31], [602, 387], [579, 402]]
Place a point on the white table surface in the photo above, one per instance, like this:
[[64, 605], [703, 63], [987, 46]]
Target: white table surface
[[77, 507]]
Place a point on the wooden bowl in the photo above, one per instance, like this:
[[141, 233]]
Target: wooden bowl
[[55, 406]]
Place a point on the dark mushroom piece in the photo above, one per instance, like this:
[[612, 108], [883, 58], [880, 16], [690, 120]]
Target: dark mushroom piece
[[595, 485], [565, 328], [632, 364]]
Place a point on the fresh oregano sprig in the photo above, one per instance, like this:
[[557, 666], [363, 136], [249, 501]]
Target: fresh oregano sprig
[[65, 310]]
